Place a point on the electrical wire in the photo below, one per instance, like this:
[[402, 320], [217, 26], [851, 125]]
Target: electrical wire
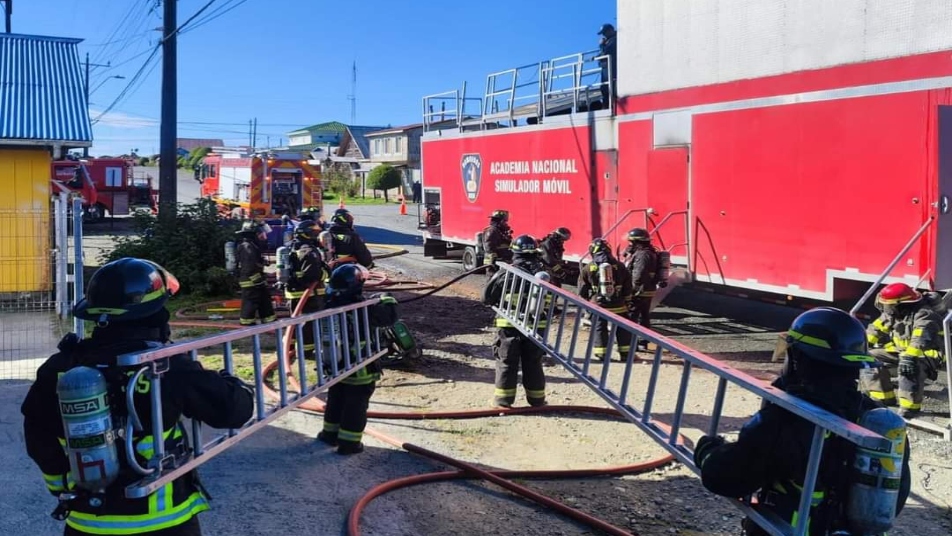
[[135, 78], [214, 14]]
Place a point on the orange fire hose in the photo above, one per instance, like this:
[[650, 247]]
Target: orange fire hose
[[465, 470]]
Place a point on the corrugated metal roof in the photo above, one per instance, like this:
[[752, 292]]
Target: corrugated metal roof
[[42, 96]]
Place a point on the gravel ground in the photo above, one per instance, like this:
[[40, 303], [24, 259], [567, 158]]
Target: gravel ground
[[281, 481]]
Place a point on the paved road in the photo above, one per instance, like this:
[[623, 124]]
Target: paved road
[[188, 187]]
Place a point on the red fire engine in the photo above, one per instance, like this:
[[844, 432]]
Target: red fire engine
[[264, 184], [107, 186], [767, 147]]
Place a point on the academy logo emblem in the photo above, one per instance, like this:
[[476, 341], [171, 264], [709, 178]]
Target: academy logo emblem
[[471, 166]]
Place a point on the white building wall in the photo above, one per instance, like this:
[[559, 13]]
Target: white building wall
[[669, 44]]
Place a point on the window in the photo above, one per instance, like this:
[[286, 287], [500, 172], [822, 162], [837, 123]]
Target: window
[[113, 177], [399, 145], [389, 149], [376, 147]]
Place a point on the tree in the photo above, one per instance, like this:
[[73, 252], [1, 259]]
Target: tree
[[196, 155], [339, 181], [384, 177]]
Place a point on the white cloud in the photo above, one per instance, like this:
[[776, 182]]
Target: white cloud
[[122, 120]]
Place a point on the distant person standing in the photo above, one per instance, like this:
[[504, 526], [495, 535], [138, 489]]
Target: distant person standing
[[417, 192], [608, 47]]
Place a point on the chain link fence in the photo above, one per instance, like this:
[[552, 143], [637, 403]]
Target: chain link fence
[[40, 251]]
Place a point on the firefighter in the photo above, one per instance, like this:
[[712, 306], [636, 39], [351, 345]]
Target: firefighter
[[907, 336], [306, 267], [345, 416], [496, 240], [126, 300], [606, 283], [641, 259], [826, 350], [255, 297], [553, 248], [511, 348], [348, 245]]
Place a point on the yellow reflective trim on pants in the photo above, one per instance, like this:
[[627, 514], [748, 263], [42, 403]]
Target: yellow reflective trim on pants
[[246, 321], [534, 393], [879, 395], [617, 310], [308, 347], [909, 404], [249, 284], [505, 392], [115, 524], [599, 351], [502, 323], [347, 435], [624, 348], [54, 482], [293, 295], [331, 427], [271, 318]]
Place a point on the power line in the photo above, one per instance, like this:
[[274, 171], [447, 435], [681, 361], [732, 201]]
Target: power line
[[135, 78], [216, 13], [190, 19]]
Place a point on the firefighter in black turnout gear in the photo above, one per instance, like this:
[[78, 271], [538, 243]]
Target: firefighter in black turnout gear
[[826, 349], [641, 259], [255, 297], [126, 301], [348, 245], [511, 348], [496, 240], [306, 267], [345, 416], [553, 249], [606, 283]]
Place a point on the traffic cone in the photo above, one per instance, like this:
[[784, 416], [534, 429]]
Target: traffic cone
[[403, 206], [341, 204]]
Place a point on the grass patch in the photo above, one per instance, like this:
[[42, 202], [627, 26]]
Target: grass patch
[[335, 199]]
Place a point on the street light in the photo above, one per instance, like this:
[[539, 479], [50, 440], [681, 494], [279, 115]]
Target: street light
[[117, 77]]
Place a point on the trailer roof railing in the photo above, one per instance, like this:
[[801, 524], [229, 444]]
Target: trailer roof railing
[[562, 85]]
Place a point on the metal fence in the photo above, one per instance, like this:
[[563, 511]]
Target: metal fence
[[40, 254], [627, 388]]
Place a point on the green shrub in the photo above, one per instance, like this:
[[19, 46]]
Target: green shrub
[[191, 246], [340, 183], [384, 177]]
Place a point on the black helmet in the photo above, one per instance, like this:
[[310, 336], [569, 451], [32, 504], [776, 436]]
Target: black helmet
[[252, 228], [563, 233], [599, 245], [832, 337], [126, 289], [525, 244], [606, 29], [346, 282], [499, 215], [307, 230], [639, 235], [343, 217], [309, 214]]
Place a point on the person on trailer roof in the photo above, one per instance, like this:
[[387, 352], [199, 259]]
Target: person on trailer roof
[[826, 350], [608, 46], [907, 336], [496, 240]]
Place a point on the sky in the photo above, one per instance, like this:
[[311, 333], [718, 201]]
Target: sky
[[288, 63]]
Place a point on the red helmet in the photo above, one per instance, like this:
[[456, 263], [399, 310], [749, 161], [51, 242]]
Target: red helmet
[[897, 293]]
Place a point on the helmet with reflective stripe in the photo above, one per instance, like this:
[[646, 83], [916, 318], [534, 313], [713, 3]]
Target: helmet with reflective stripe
[[343, 217], [309, 213], [499, 215], [525, 244], [563, 232], [126, 289], [307, 230], [898, 293], [639, 235], [830, 336], [599, 245], [346, 282]]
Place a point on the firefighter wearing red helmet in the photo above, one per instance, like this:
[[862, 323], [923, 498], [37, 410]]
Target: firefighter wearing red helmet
[[606, 283], [496, 239], [907, 336]]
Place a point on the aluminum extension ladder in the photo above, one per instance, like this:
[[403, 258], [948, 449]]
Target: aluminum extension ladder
[[562, 342], [164, 467]]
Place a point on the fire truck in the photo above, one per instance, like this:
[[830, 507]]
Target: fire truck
[[264, 184], [107, 186], [802, 150]]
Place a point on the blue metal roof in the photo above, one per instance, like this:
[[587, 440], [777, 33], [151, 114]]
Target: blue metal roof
[[42, 95]]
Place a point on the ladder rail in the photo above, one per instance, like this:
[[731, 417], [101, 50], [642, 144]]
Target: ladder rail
[[517, 311], [342, 323]]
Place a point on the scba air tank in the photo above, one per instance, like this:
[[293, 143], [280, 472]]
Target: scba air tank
[[606, 280], [231, 261], [664, 265], [327, 244], [283, 255], [87, 422], [876, 476]]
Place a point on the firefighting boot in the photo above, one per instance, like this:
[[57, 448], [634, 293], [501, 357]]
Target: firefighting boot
[[346, 448], [328, 437]]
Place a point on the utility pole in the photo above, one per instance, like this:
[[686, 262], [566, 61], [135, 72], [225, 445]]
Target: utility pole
[[88, 65], [9, 11], [249, 135], [168, 176], [254, 135], [353, 95]]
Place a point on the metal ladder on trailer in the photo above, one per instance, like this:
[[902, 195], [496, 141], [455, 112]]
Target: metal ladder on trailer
[[162, 467], [617, 382]]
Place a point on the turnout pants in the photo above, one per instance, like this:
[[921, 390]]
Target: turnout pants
[[189, 528], [256, 302], [876, 382], [313, 305], [510, 350], [640, 311], [600, 330], [346, 413]]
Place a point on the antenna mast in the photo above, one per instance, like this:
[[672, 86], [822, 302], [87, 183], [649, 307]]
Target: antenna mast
[[353, 95]]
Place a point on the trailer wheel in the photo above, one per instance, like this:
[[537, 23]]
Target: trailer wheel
[[469, 258]]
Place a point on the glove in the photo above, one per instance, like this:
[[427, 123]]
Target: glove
[[704, 446], [907, 367]]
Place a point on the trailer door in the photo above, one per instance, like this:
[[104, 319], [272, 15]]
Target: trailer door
[[606, 175], [667, 185], [943, 239]]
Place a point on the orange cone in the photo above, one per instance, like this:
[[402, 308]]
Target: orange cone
[[403, 206]]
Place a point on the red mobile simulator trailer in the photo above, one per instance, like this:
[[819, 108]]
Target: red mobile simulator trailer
[[792, 148]]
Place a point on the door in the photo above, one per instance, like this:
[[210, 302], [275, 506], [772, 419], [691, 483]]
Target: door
[[606, 176], [667, 185], [943, 236]]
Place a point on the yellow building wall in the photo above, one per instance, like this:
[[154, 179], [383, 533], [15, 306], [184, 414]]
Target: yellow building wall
[[25, 260]]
